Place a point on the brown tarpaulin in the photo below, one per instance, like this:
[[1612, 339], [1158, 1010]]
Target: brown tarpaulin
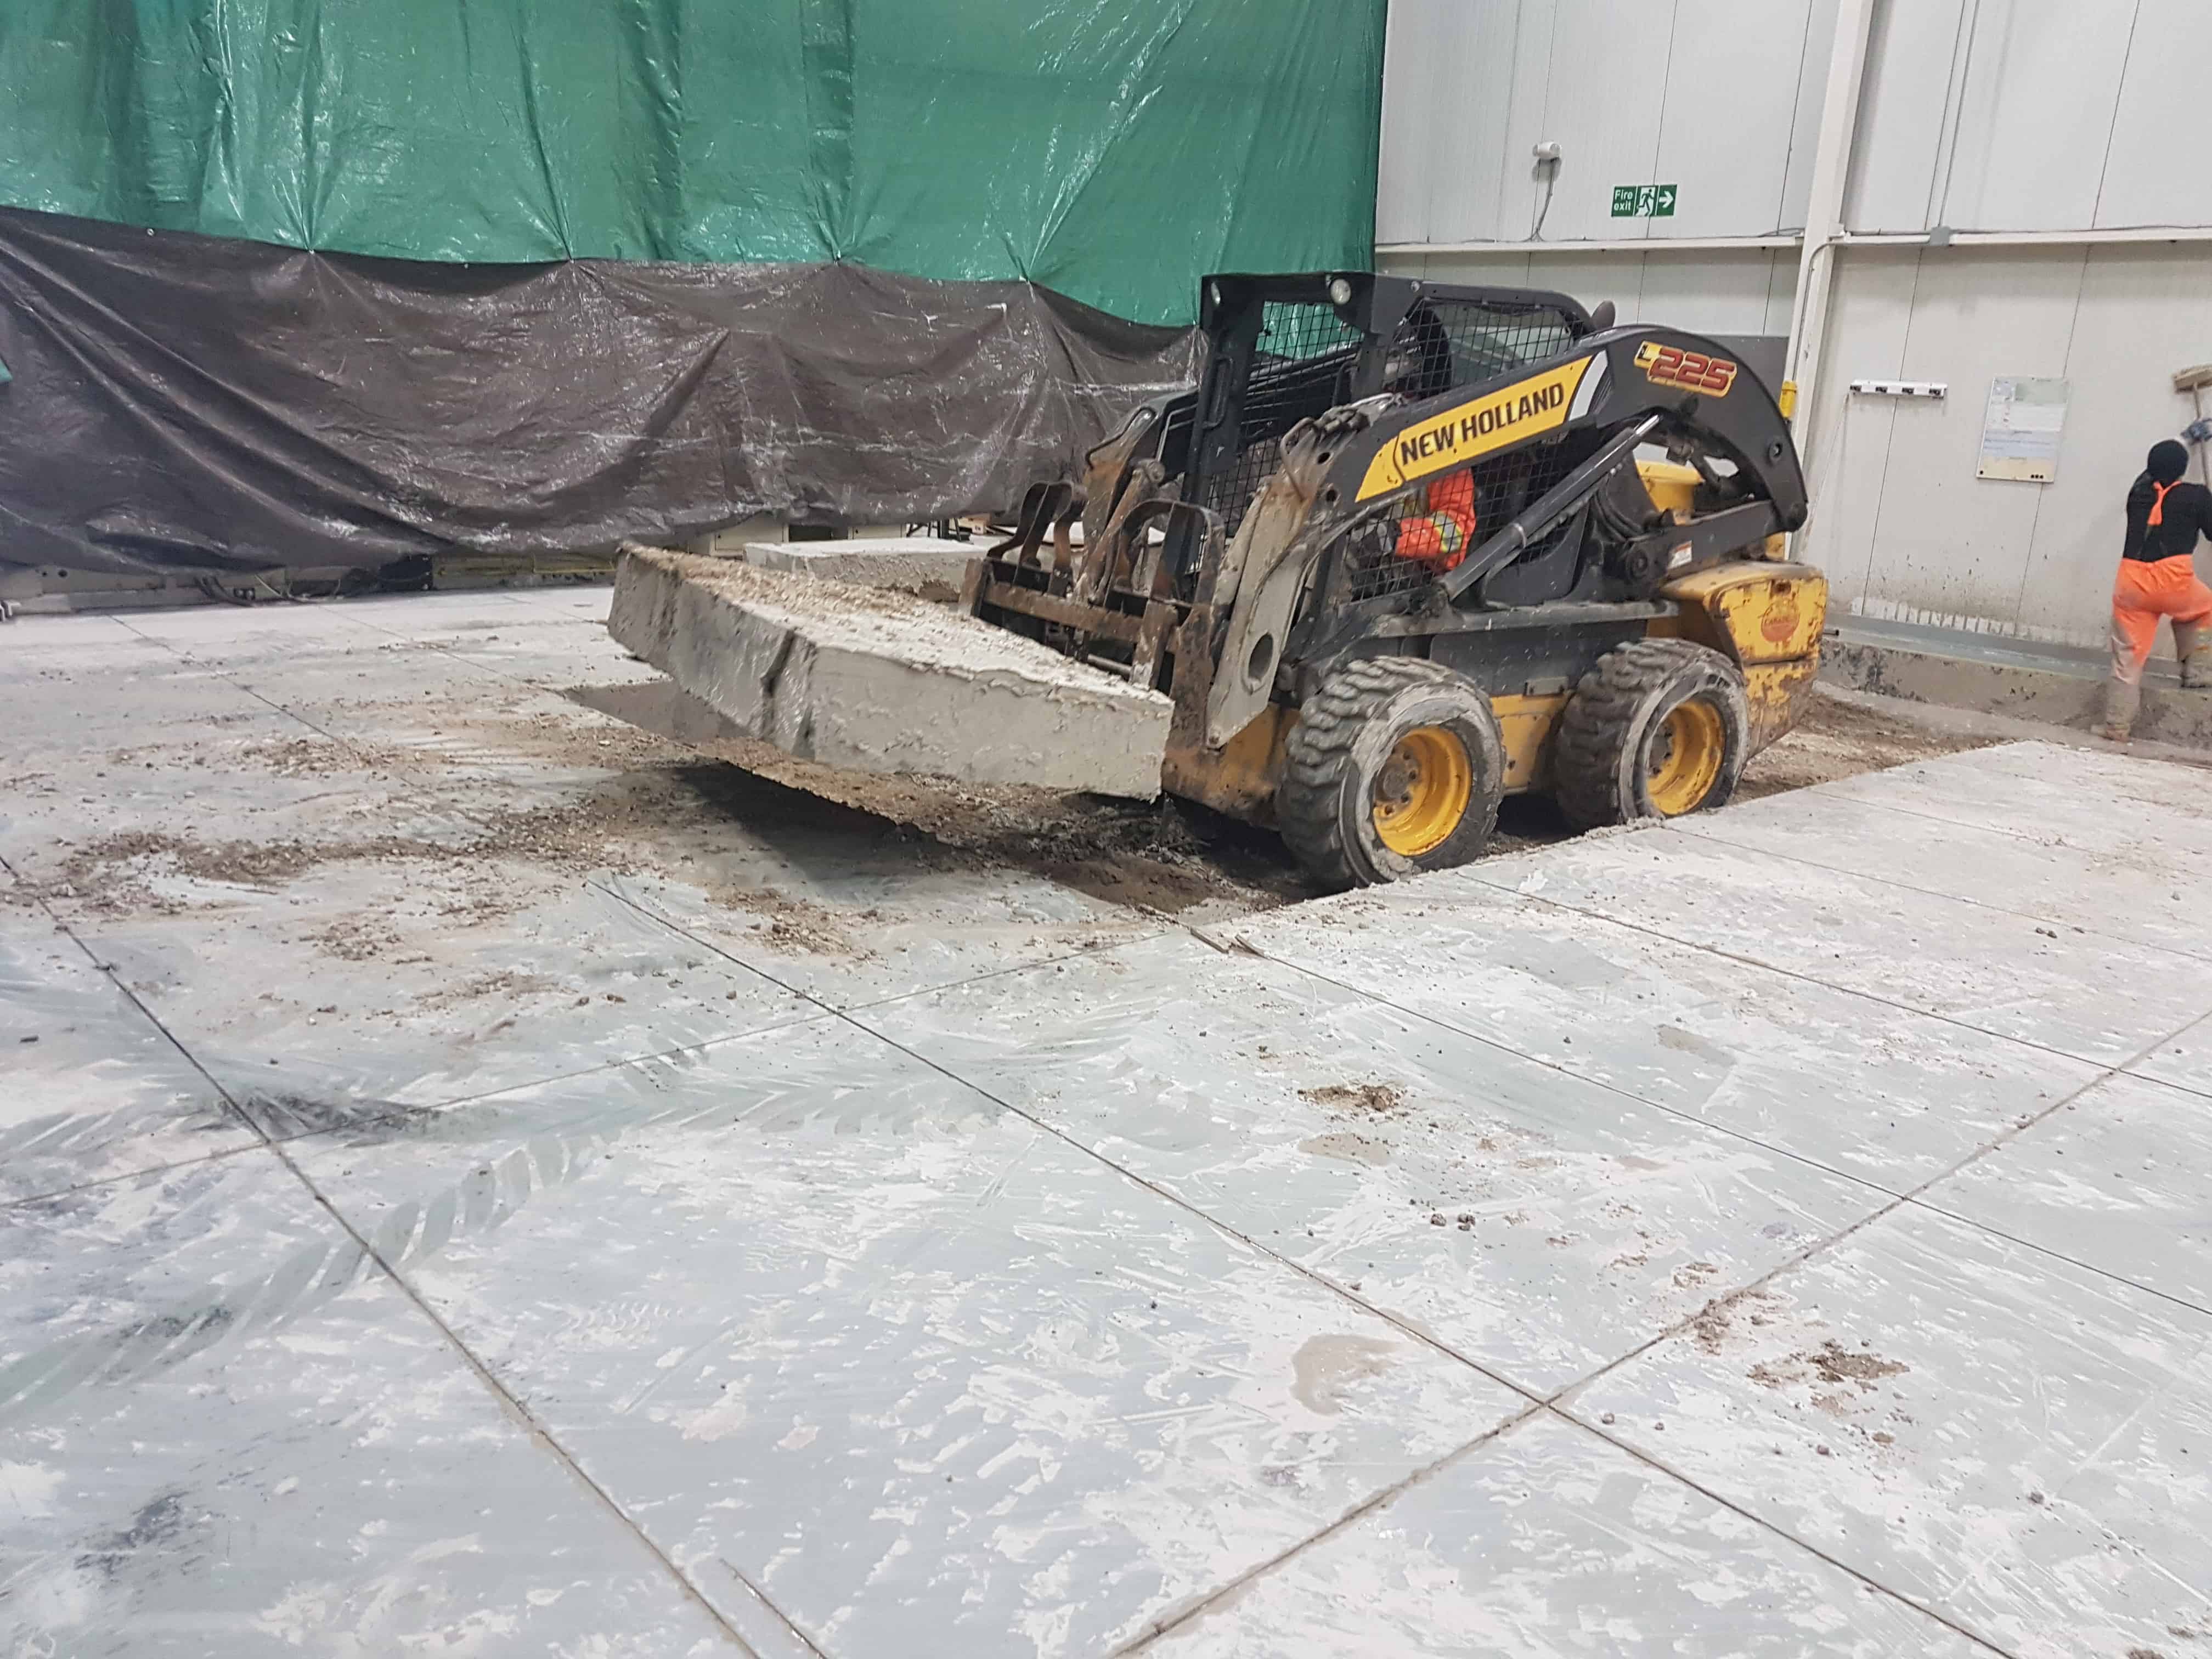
[[181, 402]]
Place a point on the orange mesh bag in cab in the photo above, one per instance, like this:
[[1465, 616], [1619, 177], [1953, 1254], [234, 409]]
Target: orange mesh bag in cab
[[1439, 524]]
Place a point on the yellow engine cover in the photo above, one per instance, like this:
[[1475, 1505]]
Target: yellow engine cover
[[1767, 618]]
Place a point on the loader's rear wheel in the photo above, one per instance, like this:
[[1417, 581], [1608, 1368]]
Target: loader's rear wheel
[[1394, 767], [1657, 729]]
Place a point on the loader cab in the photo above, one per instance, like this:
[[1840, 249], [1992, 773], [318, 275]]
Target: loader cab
[[1283, 350]]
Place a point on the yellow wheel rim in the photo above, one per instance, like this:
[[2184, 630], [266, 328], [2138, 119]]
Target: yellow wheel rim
[[1686, 758], [1422, 792]]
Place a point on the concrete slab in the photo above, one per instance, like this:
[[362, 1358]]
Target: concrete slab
[[1538, 1224], [934, 1380], [2009, 974], [2118, 1179], [2185, 1060], [920, 1227], [226, 1434], [885, 683], [2100, 801], [2138, 892], [384, 988], [93, 1088], [1885, 1095], [1550, 1541], [929, 565], [2020, 1444]]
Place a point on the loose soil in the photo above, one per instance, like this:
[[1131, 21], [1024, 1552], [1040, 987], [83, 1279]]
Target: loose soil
[[1837, 739], [650, 803], [1378, 1099]]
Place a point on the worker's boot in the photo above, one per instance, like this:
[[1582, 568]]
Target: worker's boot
[[2122, 699], [2196, 670]]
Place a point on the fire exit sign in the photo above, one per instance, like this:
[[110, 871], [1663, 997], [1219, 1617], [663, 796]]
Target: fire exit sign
[[1644, 201]]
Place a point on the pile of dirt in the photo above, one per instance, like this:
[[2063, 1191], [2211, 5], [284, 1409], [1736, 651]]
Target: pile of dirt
[[1376, 1099], [1165, 855], [797, 924], [304, 758], [1832, 1364], [111, 875], [658, 804]]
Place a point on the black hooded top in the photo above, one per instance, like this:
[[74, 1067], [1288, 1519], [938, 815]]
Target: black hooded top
[[2165, 516]]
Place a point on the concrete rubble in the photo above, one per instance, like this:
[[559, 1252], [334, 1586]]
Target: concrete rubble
[[913, 564], [882, 682]]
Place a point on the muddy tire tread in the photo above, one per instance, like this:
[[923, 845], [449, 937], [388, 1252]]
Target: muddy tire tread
[[1317, 758], [1597, 723]]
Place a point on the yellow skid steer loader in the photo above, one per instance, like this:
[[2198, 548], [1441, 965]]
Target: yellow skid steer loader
[[1408, 549]]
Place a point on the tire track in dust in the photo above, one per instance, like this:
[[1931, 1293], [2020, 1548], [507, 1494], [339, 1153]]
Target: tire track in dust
[[477, 1204]]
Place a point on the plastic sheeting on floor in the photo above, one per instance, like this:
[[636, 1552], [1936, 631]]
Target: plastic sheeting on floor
[[1784, 1231]]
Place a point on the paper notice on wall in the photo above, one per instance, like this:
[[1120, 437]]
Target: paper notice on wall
[[2021, 429]]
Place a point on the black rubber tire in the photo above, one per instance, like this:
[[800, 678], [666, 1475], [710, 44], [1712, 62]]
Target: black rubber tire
[[1346, 733], [1601, 765]]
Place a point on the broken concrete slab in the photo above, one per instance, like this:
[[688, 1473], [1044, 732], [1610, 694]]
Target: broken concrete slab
[[929, 565], [882, 682]]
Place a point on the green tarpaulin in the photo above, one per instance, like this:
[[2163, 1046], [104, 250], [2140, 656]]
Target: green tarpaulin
[[1111, 149]]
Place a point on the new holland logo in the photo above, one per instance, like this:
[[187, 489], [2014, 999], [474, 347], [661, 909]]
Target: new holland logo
[[1693, 371], [1539, 403]]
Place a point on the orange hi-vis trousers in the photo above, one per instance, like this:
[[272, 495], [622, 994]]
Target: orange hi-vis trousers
[[2142, 594]]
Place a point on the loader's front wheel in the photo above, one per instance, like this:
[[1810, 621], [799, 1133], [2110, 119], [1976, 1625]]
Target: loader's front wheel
[[1394, 767], [1657, 729]]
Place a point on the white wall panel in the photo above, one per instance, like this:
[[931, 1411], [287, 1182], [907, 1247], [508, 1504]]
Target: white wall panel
[[1912, 53], [1850, 437], [1412, 70], [1609, 80], [1781, 289], [2036, 114], [1818, 48], [1502, 270], [2055, 115], [1529, 118], [1707, 94], [1448, 87], [1900, 521], [1724, 128], [2156, 173], [2143, 313], [1705, 293], [1945, 540]]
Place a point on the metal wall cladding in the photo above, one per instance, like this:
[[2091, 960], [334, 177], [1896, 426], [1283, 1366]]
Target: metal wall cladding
[[2032, 115], [1902, 523], [1721, 98], [1112, 149], [183, 402], [1980, 114]]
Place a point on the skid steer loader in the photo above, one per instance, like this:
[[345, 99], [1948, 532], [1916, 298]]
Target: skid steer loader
[[1407, 549]]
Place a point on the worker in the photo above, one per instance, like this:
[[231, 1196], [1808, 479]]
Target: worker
[[2157, 578]]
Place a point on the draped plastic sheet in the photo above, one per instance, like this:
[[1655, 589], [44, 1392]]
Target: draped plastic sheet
[[188, 402], [1111, 149]]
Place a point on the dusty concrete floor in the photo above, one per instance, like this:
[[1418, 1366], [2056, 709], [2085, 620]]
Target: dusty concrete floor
[[477, 1179]]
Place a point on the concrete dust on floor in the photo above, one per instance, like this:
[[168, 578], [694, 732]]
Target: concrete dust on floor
[[477, 1174], [1177, 858]]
